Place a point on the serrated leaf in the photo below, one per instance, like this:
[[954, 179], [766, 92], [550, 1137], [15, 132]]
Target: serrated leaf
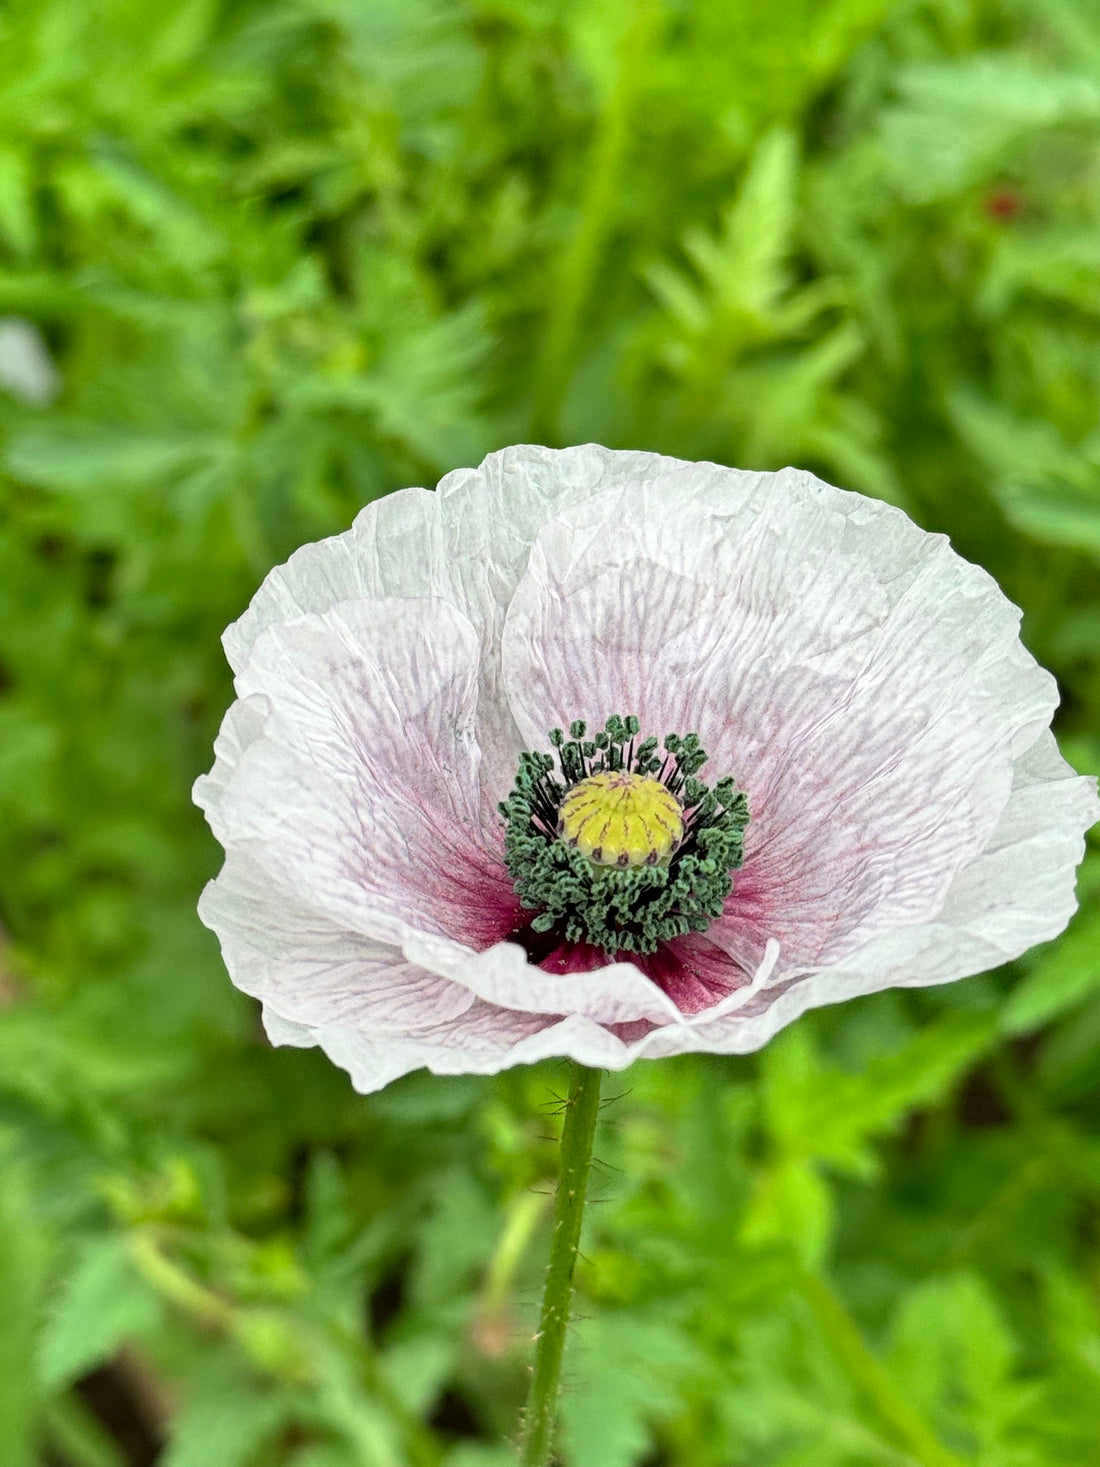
[[455, 1240], [102, 1303], [794, 1205], [816, 1110], [1047, 487], [84, 457], [955, 1354], [420, 1366], [744, 271], [749, 265], [56, 1059], [623, 1374], [958, 117]]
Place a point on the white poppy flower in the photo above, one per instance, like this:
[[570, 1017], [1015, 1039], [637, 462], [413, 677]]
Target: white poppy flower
[[860, 692]]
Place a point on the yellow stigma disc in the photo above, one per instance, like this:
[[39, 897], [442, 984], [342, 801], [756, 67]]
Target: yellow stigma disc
[[621, 819]]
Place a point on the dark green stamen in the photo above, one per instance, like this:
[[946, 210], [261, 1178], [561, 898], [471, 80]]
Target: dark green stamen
[[632, 910]]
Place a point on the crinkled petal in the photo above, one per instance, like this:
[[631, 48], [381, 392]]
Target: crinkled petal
[[392, 550], [491, 517], [1018, 892], [467, 544], [361, 793], [242, 725], [296, 961], [864, 685], [483, 1041], [614, 993]]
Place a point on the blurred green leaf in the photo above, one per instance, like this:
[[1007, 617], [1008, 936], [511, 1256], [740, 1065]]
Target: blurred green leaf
[[79, 458], [793, 1204], [102, 1303], [1046, 487], [623, 1374], [957, 119], [79, 1434], [956, 1357], [23, 1259], [226, 1420], [815, 1110], [1059, 981]]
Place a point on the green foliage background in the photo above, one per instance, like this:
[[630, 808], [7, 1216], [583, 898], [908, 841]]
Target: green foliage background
[[291, 254]]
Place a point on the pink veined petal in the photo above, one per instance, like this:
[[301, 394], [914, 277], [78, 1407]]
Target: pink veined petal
[[691, 972], [296, 961], [612, 993], [467, 543], [1018, 892], [489, 518], [482, 1041], [362, 794], [872, 729]]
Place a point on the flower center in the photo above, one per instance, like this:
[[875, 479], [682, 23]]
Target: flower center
[[621, 819], [626, 849]]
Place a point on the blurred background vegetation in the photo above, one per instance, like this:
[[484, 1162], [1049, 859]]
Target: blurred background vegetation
[[286, 255]]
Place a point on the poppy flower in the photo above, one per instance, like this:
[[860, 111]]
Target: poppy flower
[[607, 755]]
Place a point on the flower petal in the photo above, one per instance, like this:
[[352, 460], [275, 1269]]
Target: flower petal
[[302, 965], [242, 725], [1018, 892], [466, 544], [392, 550], [912, 819], [361, 792], [863, 684], [483, 1041], [612, 994]]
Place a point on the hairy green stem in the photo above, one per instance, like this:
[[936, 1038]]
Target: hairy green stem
[[581, 1111]]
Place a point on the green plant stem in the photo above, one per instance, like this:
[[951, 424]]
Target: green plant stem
[[523, 1216], [872, 1378], [580, 262], [581, 1111]]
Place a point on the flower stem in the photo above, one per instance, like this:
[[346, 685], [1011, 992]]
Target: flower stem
[[872, 1378], [581, 1111], [581, 262]]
